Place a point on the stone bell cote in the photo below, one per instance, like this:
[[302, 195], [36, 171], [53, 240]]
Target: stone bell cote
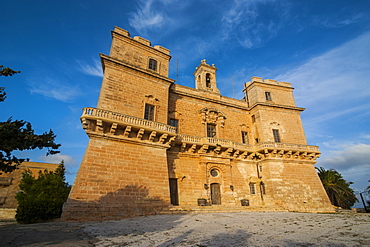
[[205, 77]]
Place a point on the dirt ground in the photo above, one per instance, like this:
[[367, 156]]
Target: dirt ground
[[215, 229]]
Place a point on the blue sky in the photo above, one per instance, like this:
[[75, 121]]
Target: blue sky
[[321, 47]]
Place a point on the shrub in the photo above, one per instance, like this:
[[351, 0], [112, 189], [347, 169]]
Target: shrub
[[41, 198]]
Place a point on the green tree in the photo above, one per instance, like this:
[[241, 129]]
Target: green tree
[[41, 198], [5, 72], [18, 135], [337, 188]]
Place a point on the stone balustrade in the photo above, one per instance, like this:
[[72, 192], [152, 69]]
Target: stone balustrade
[[297, 147], [90, 112]]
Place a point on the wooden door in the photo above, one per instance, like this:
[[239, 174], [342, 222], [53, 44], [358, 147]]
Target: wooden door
[[216, 194], [174, 194]]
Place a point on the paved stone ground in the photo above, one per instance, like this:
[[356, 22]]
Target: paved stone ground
[[214, 229]]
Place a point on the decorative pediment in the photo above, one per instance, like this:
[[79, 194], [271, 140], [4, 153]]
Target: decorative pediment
[[212, 115]]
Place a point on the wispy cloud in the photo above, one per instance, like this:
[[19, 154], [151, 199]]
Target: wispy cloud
[[247, 22], [338, 22], [93, 69], [53, 88], [152, 15], [146, 17], [335, 82]]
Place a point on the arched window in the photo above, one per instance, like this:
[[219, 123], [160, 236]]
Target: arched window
[[208, 80], [153, 64]]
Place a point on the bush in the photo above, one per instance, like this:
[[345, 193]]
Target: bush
[[41, 198]]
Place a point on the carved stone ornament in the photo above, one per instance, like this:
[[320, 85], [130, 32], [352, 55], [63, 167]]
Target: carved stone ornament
[[213, 116]]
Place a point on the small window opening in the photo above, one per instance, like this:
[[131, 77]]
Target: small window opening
[[174, 122], [252, 187], [253, 118], [268, 96], [211, 130], [149, 112], [263, 189], [208, 80], [256, 140], [214, 173], [153, 64], [276, 135], [245, 137]]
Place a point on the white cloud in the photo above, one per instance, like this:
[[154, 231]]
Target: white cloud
[[58, 158], [95, 69], [349, 157], [53, 88], [352, 161]]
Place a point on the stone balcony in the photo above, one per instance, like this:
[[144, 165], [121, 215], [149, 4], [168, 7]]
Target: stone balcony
[[108, 124], [263, 150]]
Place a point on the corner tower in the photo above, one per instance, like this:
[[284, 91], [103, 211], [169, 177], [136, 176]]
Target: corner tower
[[124, 170]]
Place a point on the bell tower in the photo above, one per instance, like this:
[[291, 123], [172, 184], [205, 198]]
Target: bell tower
[[205, 77]]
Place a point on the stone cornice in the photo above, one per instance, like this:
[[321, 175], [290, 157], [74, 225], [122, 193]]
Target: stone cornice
[[252, 84], [92, 134], [179, 92], [104, 57], [276, 106]]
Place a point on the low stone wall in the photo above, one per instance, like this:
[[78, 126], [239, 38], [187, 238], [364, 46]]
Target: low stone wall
[[7, 213]]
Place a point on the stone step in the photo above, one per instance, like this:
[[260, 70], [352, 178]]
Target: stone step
[[220, 209]]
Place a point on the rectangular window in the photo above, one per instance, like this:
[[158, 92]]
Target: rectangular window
[[245, 137], [253, 118], [174, 122], [149, 112], [268, 96], [256, 140], [153, 64], [211, 130], [276, 135], [263, 189], [252, 187]]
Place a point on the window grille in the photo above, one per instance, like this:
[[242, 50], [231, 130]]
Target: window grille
[[276, 135], [211, 130], [153, 64], [149, 112]]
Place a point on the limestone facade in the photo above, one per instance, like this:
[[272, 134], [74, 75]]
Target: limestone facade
[[156, 146]]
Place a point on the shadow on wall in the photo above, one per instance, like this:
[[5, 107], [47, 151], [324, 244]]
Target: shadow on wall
[[130, 201]]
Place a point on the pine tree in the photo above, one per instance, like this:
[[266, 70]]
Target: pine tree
[[18, 135]]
